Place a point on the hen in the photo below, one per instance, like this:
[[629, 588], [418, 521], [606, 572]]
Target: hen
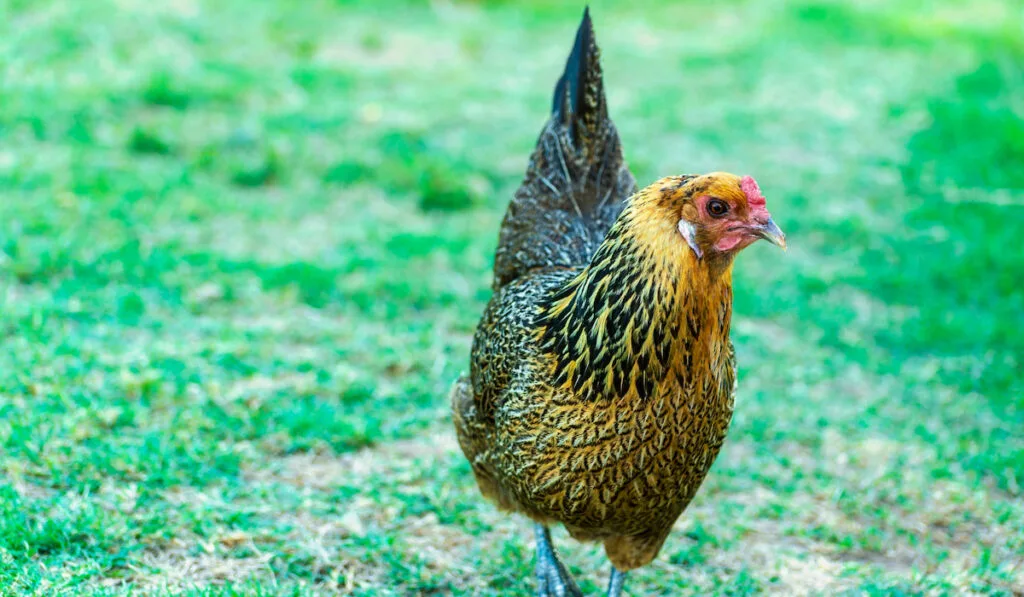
[[602, 378]]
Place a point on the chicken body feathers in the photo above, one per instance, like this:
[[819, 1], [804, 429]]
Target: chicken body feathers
[[599, 396]]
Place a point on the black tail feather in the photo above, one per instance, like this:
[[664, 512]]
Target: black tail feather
[[577, 181], [579, 101]]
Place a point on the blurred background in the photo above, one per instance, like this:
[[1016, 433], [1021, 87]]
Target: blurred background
[[244, 247]]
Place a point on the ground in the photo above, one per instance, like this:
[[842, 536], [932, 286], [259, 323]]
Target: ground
[[244, 246]]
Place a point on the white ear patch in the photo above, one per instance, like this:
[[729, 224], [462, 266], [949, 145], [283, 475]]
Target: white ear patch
[[689, 232]]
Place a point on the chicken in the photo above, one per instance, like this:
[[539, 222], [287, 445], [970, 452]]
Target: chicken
[[602, 379]]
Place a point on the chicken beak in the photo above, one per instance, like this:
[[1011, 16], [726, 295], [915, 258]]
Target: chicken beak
[[771, 232]]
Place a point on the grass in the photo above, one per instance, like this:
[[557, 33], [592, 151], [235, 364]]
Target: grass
[[243, 248]]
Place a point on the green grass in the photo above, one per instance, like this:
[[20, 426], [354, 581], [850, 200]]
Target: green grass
[[243, 248]]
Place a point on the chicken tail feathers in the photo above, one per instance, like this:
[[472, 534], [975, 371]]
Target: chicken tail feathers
[[579, 101], [577, 178]]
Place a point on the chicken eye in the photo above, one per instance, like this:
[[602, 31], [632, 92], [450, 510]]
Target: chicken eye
[[717, 208]]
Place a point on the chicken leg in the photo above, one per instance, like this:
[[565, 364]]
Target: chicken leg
[[553, 579], [616, 583]]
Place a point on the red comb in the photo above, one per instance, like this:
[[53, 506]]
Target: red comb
[[752, 191]]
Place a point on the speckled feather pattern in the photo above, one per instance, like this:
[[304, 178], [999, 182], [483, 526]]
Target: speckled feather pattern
[[576, 183], [602, 378]]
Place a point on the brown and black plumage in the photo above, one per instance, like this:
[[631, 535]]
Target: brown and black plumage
[[602, 377]]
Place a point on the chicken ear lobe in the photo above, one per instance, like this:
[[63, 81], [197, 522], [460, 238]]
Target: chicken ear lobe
[[689, 233]]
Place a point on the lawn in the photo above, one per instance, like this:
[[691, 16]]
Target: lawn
[[244, 246]]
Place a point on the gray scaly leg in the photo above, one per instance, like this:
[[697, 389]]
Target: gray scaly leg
[[553, 579], [617, 581]]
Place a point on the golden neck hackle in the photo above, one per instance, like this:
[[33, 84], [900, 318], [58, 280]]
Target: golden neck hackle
[[644, 309]]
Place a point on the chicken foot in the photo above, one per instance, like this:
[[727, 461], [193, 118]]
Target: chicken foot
[[553, 579]]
